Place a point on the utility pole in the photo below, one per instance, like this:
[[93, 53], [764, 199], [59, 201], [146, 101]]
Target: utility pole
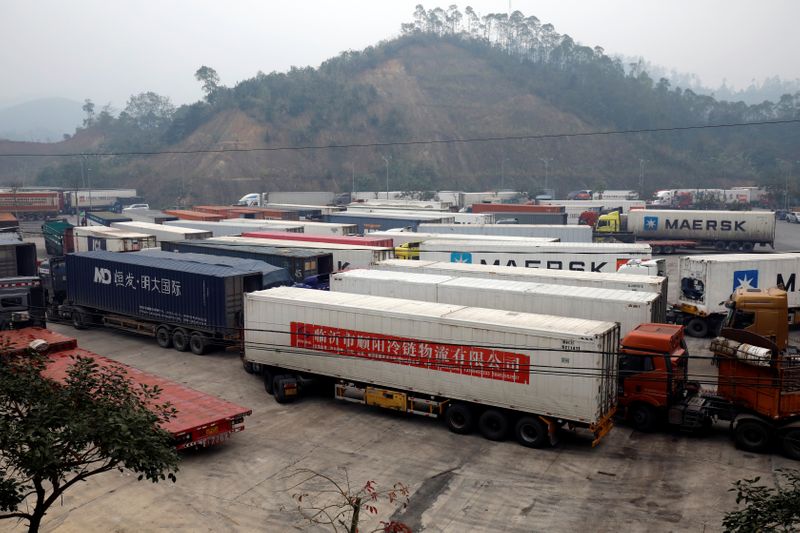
[[387, 158], [502, 173], [546, 161], [353, 189], [641, 176]]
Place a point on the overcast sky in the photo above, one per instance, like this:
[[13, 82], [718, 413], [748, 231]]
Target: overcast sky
[[107, 50]]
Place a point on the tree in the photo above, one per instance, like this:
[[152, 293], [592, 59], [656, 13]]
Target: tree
[[88, 108], [56, 434], [343, 504], [149, 111], [766, 508], [209, 78]]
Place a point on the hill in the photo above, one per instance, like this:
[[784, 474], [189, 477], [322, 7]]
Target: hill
[[42, 120], [494, 80]]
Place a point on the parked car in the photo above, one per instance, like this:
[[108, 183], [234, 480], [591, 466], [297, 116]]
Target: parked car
[[136, 206], [791, 217]]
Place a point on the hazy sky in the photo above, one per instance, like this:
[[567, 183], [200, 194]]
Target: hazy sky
[[107, 50]]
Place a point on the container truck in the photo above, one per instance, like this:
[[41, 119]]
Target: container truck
[[615, 195], [232, 226], [149, 215], [406, 243], [105, 218], [516, 208], [21, 291], [501, 371], [295, 197], [563, 233], [757, 383], [707, 281], [366, 222], [114, 240], [183, 303], [598, 280], [31, 205], [201, 419], [590, 257], [163, 232], [371, 240], [311, 227], [403, 205], [345, 256], [625, 205], [97, 199], [724, 230], [302, 264], [627, 308]]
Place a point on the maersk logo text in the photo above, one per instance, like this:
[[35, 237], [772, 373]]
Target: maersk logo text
[[745, 279], [708, 225], [650, 223]]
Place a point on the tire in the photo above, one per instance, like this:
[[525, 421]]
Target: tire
[[668, 250], [531, 431], [657, 250], [720, 246], [752, 436], [748, 247], [790, 443], [248, 367], [459, 418], [697, 327], [180, 340], [78, 320], [269, 382], [493, 424], [279, 384], [734, 246], [198, 343], [163, 337], [643, 417]]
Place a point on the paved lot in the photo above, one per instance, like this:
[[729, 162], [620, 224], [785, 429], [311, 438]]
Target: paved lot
[[631, 482]]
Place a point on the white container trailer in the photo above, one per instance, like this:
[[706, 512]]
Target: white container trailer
[[345, 256], [416, 237], [594, 257], [558, 231], [88, 238], [707, 281], [408, 205], [163, 233], [626, 205], [97, 198], [628, 308], [502, 371], [309, 227], [598, 280], [230, 227], [709, 227], [324, 209]]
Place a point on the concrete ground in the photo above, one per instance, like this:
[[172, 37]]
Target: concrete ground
[[630, 482]]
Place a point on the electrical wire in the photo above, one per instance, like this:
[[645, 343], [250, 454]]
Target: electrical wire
[[413, 142]]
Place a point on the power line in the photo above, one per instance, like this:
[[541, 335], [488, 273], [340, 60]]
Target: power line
[[465, 140]]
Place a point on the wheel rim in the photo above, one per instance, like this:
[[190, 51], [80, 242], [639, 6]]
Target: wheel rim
[[529, 433], [753, 436], [458, 420], [640, 417]]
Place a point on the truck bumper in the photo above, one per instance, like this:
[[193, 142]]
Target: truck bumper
[[601, 428]]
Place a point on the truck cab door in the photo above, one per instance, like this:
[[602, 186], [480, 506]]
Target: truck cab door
[[644, 378]]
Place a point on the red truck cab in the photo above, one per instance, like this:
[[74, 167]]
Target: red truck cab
[[653, 365]]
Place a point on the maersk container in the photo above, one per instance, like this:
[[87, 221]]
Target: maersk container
[[102, 286], [564, 233], [310, 227], [345, 256], [426, 354], [88, 238], [707, 281], [161, 232], [755, 227], [627, 308], [300, 263], [104, 218], [594, 257], [231, 226], [571, 278], [366, 222]]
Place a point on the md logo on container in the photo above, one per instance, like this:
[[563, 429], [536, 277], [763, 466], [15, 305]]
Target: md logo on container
[[102, 275], [745, 279], [460, 257], [650, 223]]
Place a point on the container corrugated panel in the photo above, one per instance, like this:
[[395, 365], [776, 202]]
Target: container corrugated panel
[[628, 308], [158, 289], [564, 233], [231, 226], [554, 366], [163, 232], [310, 227]]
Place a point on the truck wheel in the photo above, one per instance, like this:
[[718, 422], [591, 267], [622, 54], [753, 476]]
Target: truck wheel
[[790, 442], [668, 249], [198, 343], [285, 388], [734, 246], [269, 382], [531, 432], [752, 436], [720, 246], [78, 320], [643, 417], [748, 246], [180, 340], [656, 250], [697, 327], [163, 337], [493, 424], [248, 367], [459, 419]]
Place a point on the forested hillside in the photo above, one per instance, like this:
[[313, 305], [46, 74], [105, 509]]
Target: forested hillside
[[451, 75]]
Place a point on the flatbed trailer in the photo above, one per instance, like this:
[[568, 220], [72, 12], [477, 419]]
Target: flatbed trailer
[[201, 419]]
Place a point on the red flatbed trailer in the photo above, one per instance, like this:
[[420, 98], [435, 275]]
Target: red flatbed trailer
[[282, 235], [27, 204], [201, 420]]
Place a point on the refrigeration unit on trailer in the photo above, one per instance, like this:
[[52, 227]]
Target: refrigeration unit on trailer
[[345, 256], [88, 238], [627, 308], [707, 282], [504, 372], [163, 233], [230, 227], [564, 233], [572, 278], [589, 257], [311, 227]]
